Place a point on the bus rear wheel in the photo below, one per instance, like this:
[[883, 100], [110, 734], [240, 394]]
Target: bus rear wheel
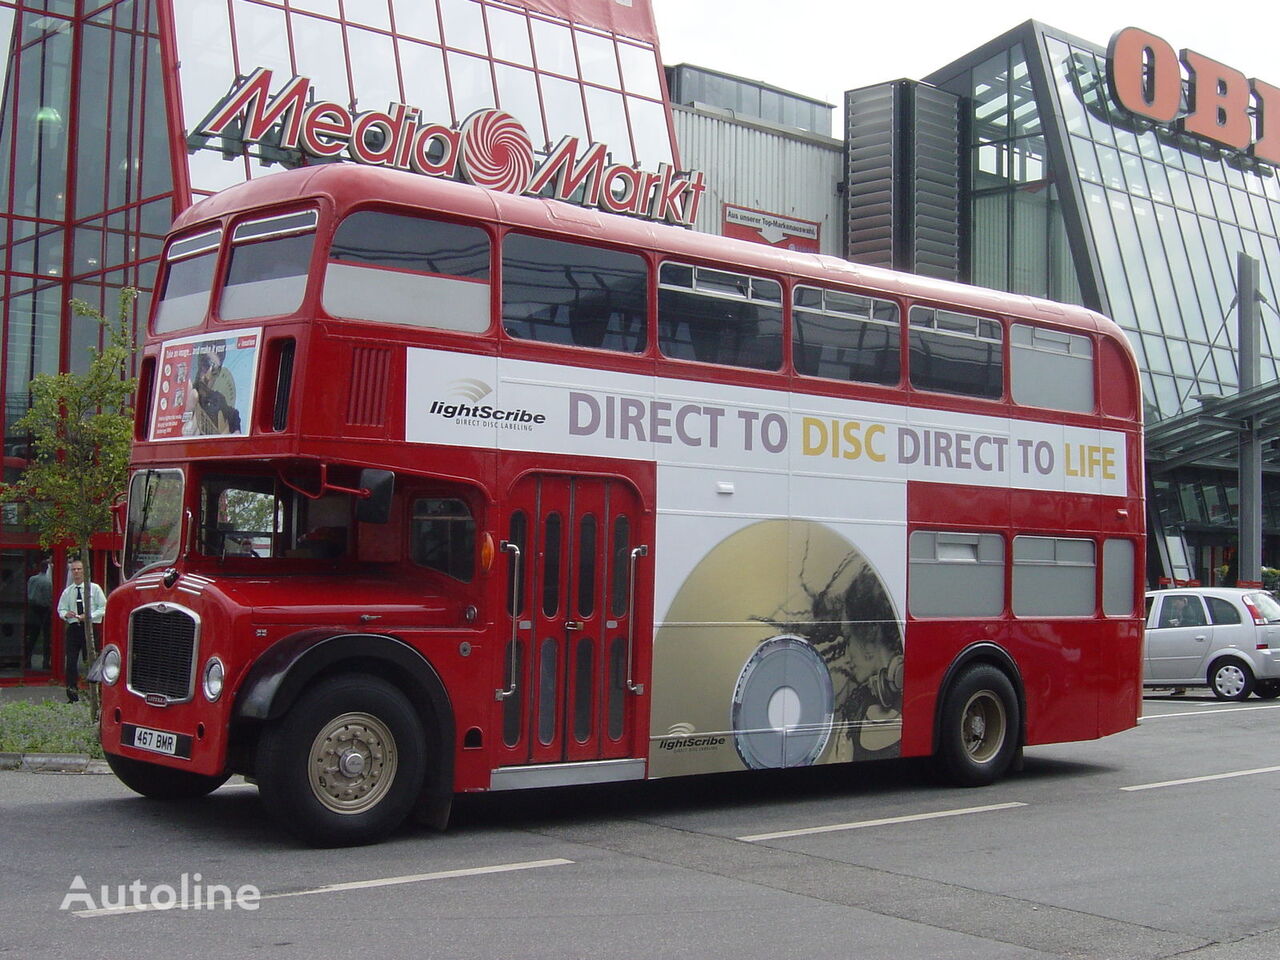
[[162, 783], [978, 733], [345, 764]]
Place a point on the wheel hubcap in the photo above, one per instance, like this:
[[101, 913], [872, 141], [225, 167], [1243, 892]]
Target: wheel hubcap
[[983, 726], [1231, 680], [352, 763]]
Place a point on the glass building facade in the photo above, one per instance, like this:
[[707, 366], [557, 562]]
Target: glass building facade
[[1075, 198], [97, 103]]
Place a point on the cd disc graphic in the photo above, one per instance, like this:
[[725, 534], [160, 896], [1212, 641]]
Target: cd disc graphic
[[782, 706], [781, 647]]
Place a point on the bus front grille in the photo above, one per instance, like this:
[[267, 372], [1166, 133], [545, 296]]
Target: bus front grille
[[162, 652]]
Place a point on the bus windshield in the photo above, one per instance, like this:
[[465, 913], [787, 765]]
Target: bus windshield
[[154, 531]]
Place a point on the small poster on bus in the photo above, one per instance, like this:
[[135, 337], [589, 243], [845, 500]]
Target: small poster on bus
[[205, 385]]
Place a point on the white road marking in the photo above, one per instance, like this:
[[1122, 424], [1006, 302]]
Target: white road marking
[[1209, 711], [336, 887], [1215, 776], [832, 828]]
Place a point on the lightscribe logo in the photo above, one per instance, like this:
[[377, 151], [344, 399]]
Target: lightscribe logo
[[489, 149], [474, 413], [191, 893], [680, 736]]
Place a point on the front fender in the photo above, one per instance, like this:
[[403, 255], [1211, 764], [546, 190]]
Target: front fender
[[289, 666]]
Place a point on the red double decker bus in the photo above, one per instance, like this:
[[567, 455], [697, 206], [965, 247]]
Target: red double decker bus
[[440, 490]]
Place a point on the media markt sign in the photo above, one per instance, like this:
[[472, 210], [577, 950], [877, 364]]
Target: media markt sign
[[489, 149]]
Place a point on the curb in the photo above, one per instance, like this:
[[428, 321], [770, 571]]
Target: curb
[[52, 763]]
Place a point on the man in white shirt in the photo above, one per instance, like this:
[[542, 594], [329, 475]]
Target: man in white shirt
[[81, 603]]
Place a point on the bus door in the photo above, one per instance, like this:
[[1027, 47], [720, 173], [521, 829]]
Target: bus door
[[570, 544]]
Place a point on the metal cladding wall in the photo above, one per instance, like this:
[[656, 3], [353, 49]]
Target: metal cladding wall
[[935, 181], [871, 122], [903, 175], [767, 168]]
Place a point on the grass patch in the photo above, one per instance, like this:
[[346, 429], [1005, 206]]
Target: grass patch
[[48, 727]]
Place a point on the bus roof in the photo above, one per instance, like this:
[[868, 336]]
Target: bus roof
[[349, 185]]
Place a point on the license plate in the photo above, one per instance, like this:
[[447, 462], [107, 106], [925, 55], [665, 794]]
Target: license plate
[[157, 741]]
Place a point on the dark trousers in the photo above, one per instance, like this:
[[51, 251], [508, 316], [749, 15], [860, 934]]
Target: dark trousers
[[37, 638], [75, 650]]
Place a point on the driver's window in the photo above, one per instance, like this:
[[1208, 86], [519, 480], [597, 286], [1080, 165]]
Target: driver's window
[[238, 520], [322, 527]]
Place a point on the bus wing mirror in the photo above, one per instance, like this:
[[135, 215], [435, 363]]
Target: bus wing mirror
[[376, 507]]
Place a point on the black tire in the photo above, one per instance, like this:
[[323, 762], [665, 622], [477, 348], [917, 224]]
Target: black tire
[[162, 783], [979, 729], [345, 764], [1267, 689], [1231, 679]]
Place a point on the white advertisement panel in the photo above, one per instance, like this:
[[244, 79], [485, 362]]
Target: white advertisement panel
[[463, 400]]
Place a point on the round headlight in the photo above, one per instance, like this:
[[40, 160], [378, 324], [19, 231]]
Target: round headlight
[[214, 674], [110, 664]]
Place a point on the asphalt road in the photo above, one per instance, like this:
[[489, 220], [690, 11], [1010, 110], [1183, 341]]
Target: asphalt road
[[1159, 842]]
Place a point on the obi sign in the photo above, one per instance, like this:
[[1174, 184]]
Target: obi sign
[[489, 149], [1220, 105]]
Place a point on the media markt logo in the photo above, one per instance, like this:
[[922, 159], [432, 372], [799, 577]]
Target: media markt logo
[[462, 405], [490, 148], [191, 893], [680, 738]]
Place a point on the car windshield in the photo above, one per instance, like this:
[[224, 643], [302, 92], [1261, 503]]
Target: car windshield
[[154, 530], [1267, 605]]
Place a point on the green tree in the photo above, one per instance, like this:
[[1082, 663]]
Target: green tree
[[81, 426]]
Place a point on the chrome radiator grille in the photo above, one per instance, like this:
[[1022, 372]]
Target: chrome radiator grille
[[162, 652]]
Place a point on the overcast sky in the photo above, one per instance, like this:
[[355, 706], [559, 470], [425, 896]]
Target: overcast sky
[[821, 48]]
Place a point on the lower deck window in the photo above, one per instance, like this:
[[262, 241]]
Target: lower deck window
[[443, 535], [956, 574], [1053, 577], [1118, 591]]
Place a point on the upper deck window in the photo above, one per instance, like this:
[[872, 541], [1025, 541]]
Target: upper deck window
[[956, 353], [719, 317], [270, 260], [845, 336], [573, 294], [188, 279], [391, 268], [1051, 369]]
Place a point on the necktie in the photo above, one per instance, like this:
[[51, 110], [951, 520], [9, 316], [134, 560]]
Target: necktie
[[79, 603]]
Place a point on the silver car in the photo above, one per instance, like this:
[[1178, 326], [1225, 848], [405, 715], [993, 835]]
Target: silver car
[[1225, 638]]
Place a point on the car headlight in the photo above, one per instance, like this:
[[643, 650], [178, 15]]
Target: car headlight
[[214, 674], [110, 664]]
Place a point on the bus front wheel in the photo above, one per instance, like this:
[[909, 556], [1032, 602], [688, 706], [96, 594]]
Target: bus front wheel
[[978, 733], [345, 764]]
